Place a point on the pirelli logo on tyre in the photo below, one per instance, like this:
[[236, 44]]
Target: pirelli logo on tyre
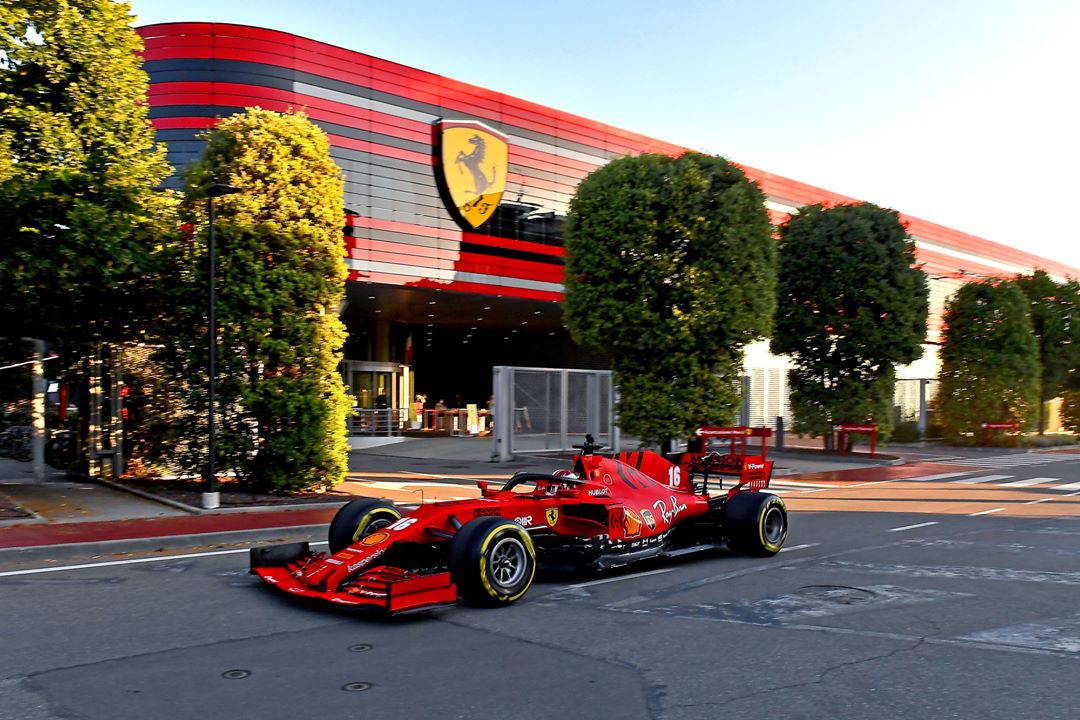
[[471, 165]]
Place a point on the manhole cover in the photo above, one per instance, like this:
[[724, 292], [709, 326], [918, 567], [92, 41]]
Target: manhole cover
[[358, 686], [236, 674], [359, 647]]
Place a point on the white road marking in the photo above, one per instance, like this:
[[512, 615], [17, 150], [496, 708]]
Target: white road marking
[[1027, 482], [1013, 460], [912, 527], [1069, 486], [982, 479], [1036, 502], [617, 579], [986, 512], [939, 476], [133, 561], [799, 547]]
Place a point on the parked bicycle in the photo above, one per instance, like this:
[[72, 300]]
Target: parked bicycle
[[17, 442]]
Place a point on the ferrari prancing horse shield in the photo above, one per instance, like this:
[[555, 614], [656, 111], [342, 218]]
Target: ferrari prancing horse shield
[[474, 160]]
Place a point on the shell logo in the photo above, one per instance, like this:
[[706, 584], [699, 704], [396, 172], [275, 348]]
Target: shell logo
[[374, 539]]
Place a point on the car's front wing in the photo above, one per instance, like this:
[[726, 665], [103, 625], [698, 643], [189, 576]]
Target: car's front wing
[[386, 588]]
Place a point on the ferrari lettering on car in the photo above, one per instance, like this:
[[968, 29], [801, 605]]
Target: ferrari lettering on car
[[604, 512]]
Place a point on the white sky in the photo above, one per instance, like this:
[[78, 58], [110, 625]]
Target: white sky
[[961, 112]]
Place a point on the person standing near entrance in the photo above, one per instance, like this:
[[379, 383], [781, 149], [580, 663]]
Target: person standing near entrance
[[382, 412]]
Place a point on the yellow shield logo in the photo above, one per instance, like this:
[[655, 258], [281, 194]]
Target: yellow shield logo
[[552, 516], [473, 159]]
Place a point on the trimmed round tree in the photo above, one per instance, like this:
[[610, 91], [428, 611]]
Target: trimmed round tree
[[671, 269], [852, 305], [281, 276], [989, 360], [1055, 320]]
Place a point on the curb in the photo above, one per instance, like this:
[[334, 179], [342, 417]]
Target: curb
[[97, 549], [143, 494], [203, 511]]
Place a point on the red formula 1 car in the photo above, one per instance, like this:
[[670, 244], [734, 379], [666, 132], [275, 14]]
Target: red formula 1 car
[[606, 512]]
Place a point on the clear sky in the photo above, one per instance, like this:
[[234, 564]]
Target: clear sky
[[961, 112]]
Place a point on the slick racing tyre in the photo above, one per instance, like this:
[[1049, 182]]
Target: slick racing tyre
[[359, 518], [492, 560], [755, 523]]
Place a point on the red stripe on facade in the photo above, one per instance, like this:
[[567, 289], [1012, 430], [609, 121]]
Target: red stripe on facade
[[386, 150], [455, 285], [509, 267], [954, 264], [184, 123], [224, 41], [403, 252], [400, 227], [522, 245]]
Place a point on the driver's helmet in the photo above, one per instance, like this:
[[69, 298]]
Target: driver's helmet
[[556, 486]]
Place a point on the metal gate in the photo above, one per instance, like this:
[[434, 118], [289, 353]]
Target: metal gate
[[539, 409]]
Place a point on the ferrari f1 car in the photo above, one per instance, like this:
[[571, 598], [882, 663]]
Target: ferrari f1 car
[[606, 512]]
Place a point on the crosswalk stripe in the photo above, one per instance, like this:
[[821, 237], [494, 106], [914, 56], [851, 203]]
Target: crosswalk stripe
[[1010, 460], [982, 479], [939, 476], [1069, 486], [1026, 482]]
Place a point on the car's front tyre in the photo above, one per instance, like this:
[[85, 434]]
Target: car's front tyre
[[358, 518], [492, 560]]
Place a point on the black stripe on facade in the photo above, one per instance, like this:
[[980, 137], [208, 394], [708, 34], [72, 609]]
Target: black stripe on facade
[[250, 73]]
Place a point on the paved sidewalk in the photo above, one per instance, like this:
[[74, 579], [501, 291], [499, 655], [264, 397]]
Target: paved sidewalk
[[69, 518]]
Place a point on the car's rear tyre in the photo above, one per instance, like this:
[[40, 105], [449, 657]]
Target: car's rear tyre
[[755, 523], [358, 518], [492, 560]]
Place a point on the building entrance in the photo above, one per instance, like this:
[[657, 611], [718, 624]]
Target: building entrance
[[381, 394]]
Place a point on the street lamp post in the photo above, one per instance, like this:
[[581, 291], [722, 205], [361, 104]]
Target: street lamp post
[[211, 498]]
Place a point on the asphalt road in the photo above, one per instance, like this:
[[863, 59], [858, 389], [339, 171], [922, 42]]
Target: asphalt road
[[942, 610]]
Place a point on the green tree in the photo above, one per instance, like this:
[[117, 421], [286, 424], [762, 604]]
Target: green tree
[[281, 276], [79, 218], [1055, 319], [989, 360], [1070, 410], [852, 305], [670, 268]]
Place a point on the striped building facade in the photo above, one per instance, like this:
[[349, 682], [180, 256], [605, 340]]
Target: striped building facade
[[433, 304]]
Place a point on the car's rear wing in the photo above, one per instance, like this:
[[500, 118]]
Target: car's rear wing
[[754, 472]]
